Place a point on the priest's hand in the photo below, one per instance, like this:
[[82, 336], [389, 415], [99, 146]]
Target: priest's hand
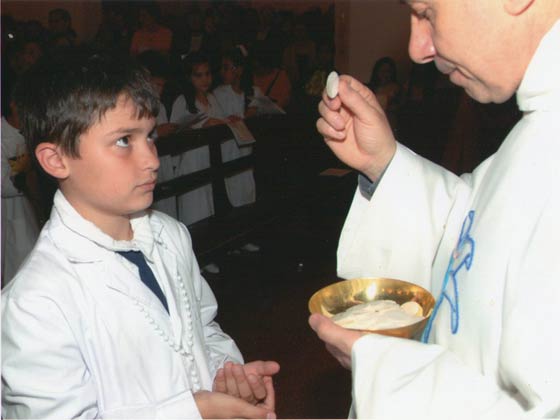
[[338, 340], [356, 128]]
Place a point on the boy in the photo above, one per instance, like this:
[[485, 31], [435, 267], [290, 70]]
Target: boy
[[82, 336]]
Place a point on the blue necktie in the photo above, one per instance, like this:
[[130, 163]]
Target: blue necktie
[[146, 274]]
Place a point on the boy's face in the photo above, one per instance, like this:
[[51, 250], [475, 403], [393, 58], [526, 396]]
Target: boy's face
[[116, 172]]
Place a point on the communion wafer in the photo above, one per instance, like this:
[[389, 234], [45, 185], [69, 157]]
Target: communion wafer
[[412, 308], [332, 84], [379, 315]]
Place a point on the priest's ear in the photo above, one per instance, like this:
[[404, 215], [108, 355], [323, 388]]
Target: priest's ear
[[52, 160], [517, 7]]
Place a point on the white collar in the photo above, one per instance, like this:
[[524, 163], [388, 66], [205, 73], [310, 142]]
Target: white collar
[[540, 88], [81, 240]]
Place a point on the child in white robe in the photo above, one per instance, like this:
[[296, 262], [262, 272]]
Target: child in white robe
[[109, 315], [196, 99]]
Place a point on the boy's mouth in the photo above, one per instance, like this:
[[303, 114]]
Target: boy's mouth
[[148, 185]]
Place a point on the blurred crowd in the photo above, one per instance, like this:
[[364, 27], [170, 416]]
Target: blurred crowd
[[287, 52], [219, 63]]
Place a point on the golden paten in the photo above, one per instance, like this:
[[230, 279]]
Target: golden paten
[[338, 297]]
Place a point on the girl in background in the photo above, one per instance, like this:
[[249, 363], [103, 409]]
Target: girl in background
[[238, 98], [383, 82], [235, 96], [196, 100]]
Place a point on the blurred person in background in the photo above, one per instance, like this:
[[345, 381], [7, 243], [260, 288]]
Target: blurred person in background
[[60, 27], [271, 80], [383, 82], [20, 224], [151, 35]]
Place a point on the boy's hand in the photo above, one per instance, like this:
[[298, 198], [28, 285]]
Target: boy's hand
[[217, 405], [251, 382]]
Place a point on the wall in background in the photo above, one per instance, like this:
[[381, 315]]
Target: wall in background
[[369, 30]]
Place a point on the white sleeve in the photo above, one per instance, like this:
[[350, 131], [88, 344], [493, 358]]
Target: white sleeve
[[180, 406], [178, 109], [221, 347], [412, 204], [258, 96], [162, 115], [8, 187], [43, 371], [399, 378]]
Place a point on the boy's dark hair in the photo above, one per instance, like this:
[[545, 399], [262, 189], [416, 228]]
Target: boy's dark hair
[[64, 94]]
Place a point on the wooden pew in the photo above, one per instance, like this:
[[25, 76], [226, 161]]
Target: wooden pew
[[230, 226], [286, 159]]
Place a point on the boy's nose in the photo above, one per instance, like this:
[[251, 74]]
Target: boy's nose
[[149, 157], [421, 47]]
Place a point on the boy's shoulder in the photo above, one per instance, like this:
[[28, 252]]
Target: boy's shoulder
[[157, 217], [45, 272], [170, 231]]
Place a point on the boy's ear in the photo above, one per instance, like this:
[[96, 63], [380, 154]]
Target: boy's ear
[[517, 7], [52, 160]]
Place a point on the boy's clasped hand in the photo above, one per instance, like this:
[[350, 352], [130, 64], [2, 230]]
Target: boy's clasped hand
[[240, 390]]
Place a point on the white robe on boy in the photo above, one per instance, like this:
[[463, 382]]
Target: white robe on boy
[[494, 350], [82, 336]]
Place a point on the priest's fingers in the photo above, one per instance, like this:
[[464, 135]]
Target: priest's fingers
[[339, 340], [359, 101], [329, 132]]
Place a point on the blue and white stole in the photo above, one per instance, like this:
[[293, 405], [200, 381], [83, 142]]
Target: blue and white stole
[[461, 259]]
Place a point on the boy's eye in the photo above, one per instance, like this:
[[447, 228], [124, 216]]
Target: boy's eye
[[123, 142], [422, 13], [153, 135]]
